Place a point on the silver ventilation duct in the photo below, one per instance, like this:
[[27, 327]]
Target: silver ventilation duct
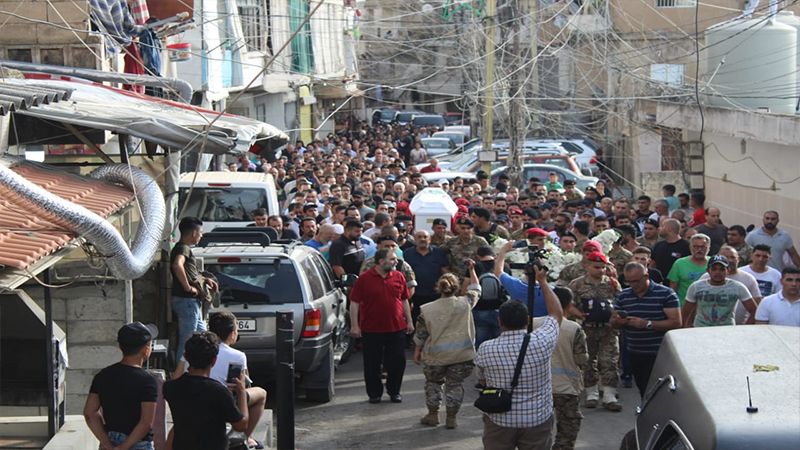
[[122, 262]]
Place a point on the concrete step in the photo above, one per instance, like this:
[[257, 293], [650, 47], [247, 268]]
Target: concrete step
[[22, 443]]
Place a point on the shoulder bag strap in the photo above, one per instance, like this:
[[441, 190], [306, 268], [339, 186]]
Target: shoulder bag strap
[[520, 359]]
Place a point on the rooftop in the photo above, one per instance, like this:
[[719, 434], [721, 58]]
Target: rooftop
[[25, 237]]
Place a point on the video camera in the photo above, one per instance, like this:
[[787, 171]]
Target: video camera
[[535, 255]]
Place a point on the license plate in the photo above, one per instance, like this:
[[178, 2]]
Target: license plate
[[247, 325]]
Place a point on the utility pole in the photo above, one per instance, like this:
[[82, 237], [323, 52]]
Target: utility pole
[[488, 114], [533, 7], [515, 92]]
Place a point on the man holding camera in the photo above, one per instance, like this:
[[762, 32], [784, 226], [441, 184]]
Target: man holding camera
[[529, 423], [594, 295]]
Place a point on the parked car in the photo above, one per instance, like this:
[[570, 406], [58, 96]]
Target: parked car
[[383, 115], [226, 199], [404, 117], [585, 154], [560, 160], [436, 146], [463, 129], [427, 120], [541, 171], [258, 278], [698, 396], [457, 137], [468, 161], [455, 118], [432, 177]]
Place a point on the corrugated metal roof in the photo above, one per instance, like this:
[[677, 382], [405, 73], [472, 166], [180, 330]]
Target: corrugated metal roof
[[20, 98], [25, 238]]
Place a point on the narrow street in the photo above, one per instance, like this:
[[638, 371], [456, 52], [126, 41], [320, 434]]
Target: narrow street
[[351, 422]]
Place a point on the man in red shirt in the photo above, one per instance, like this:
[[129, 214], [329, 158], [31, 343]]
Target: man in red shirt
[[381, 314], [433, 166]]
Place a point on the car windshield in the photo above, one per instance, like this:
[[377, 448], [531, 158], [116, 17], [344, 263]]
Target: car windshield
[[387, 114], [436, 143], [404, 116], [222, 204], [425, 121], [458, 138], [274, 282]]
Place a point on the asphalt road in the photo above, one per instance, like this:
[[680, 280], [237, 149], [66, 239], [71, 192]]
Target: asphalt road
[[350, 422]]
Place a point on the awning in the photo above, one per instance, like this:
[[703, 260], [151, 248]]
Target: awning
[[163, 122]]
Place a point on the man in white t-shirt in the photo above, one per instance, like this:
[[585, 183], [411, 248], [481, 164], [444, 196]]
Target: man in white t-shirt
[[734, 273], [768, 278], [223, 324], [713, 300], [782, 308]]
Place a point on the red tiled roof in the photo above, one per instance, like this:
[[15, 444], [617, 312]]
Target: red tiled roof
[[26, 238]]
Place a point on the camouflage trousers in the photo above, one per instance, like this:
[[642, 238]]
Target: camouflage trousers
[[568, 420], [452, 377], [603, 346]]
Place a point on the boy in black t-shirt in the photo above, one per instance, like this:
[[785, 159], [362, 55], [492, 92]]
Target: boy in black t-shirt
[[126, 393], [200, 405]]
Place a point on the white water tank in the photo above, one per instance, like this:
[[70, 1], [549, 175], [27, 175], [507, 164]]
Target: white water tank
[[788, 18], [760, 65]]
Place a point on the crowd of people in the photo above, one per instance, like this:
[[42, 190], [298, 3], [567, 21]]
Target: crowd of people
[[460, 292]]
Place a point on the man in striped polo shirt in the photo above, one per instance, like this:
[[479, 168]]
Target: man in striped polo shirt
[[645, 311]]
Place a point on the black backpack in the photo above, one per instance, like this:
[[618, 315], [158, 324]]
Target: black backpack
[[492, 292]]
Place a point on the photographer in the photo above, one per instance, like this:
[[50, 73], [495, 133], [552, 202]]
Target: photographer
[[518, 289], [529, 423]]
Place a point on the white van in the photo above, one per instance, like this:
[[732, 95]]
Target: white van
[[226, 199]]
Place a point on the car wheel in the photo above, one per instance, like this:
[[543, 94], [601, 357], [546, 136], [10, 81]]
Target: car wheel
[[325, 394], [629, 441]]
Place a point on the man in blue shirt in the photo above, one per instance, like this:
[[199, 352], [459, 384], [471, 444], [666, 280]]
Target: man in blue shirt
[[645, 311], [428, 263], [516, 288]]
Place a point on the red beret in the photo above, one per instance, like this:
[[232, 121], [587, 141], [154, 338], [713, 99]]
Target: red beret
[[592, 245], [514, 210], [536, 232], [597, 257], [462, 202]]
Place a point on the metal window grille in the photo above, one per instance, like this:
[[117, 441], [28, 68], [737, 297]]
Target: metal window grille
[[255, 23]]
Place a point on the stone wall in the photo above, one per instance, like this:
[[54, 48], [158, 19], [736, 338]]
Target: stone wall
[[651, 182]]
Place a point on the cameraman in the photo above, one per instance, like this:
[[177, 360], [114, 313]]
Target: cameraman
[[518, 289]]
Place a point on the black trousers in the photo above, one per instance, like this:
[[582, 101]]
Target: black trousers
[[641, 365], [388, 349], [419, 300]]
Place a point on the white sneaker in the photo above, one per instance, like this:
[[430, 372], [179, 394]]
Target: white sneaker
[[610, 401]]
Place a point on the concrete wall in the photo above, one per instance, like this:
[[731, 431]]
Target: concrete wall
[[747, 178], [90, 314]]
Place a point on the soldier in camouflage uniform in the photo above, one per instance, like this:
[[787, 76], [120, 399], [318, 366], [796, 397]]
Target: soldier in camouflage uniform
[[444, 338], [388, 243], [618, 256], [595, 292], [440, 233], [578, 269], [463, 247]]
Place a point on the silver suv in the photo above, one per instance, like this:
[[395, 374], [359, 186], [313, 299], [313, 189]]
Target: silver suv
[[258, 278]]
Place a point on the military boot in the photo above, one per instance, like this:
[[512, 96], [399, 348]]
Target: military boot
[[451, 423], [432, 418], [610, 401], [592, 397]]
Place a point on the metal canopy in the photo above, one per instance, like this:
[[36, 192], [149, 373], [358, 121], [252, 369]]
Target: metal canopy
[[163, 122]]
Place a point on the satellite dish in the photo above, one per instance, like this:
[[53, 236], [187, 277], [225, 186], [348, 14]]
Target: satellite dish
[[427, 8]]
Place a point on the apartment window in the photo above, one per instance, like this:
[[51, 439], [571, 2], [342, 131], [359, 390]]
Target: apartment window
[[254, 16], [676, 3], [671, 74]]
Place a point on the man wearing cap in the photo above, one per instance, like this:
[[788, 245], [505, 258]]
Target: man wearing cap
[[358, 202], [463, 246], [594, 295], [122, 398], [441, 234], [517, 221], [571, 192], [712, 302]]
